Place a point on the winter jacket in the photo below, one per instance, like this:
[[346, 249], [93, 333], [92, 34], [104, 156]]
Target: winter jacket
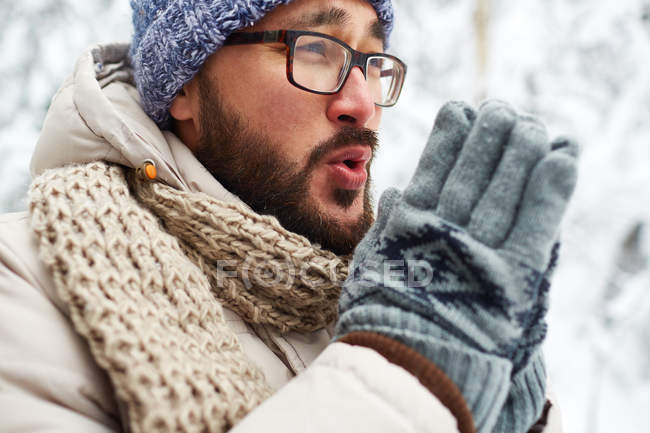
[[48, 377]]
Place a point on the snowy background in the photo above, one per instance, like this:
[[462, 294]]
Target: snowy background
[[583, 66]]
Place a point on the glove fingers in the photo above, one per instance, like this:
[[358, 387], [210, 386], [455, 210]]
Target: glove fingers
[[553, 259], [569, 145], [545, 199], [493, 216], [478, 159], [450, 131], [386, 204], [385, 208]]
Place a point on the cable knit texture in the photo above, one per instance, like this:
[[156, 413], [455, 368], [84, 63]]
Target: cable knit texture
[[173, 38], [148, 302]]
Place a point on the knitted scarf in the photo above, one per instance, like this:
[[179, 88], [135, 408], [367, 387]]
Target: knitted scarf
[[145, 269]]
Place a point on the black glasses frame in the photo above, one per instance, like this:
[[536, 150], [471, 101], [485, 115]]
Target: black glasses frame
[[289, 37]]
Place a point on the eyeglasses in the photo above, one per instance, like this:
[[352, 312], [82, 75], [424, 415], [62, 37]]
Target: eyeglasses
[[321, 64]]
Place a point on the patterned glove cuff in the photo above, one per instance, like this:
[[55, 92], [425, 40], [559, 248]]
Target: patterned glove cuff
[[419, 366]]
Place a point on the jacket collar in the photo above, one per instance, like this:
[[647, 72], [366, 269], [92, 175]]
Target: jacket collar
[[96, 116]]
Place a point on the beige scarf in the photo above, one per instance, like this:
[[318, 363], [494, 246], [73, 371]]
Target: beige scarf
[[144, 279]]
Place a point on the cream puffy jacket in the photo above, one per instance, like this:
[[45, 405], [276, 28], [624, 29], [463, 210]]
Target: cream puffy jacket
[[49, 381]]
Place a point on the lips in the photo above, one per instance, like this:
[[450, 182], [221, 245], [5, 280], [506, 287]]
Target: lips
[[348, 167]]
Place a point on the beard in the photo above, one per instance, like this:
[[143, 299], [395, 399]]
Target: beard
[[249, 165]]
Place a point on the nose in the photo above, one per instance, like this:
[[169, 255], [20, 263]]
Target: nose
[[354, 104]]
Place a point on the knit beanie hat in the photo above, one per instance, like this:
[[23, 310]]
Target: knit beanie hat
[[173, 38]]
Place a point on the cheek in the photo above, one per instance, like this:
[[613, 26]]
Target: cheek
[[280, 106], [258, 90], [376, 119], [288, 116]]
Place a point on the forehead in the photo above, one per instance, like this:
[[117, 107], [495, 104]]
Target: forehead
[[352, 15]]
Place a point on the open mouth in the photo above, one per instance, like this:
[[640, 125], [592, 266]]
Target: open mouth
[[353, 164], [348, 167]]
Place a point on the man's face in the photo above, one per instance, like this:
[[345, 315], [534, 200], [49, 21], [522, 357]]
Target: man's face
[[299, 156]]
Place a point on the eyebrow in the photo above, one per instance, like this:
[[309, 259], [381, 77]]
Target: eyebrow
[[334, 17]]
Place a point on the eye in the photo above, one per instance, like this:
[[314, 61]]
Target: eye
[[373, 70], [314, 47]]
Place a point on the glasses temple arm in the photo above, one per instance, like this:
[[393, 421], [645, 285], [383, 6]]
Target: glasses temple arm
[[256, 37]]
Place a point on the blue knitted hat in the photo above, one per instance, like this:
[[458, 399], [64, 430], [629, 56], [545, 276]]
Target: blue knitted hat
[[173, 38]]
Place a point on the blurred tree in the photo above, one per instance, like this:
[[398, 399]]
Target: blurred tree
[[482, 24], [615, 325], [32, 35], [39, 41], [630, 261]]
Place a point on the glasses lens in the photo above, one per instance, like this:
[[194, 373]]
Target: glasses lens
[[385, 78], [319, 63]]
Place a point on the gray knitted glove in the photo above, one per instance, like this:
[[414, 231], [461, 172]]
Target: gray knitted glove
[[527, 394], [473, 233]]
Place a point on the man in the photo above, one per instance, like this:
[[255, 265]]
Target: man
[[177, 266]]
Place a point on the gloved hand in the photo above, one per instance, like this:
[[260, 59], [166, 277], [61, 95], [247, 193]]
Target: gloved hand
[[473, 233], [527, 394]]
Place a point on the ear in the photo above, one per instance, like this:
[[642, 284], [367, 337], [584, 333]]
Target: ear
[[182, 107], [185, 112]]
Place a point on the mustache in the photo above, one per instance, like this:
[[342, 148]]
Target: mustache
[[344, 137]]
